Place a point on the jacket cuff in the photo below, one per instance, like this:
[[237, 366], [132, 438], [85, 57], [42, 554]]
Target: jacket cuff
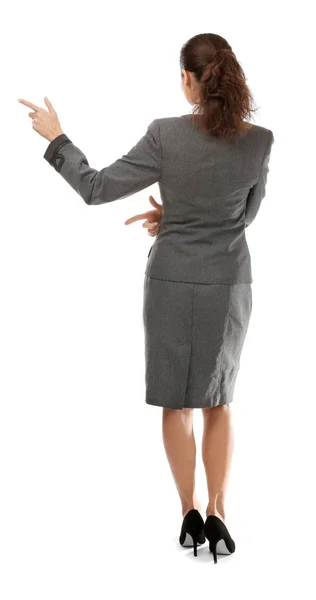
[[51, 153]]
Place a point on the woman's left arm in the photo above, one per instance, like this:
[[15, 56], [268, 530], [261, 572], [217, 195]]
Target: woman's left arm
[[134, 171]]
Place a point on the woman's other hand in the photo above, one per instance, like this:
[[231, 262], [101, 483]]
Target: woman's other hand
[[45, 122], [153, 218]]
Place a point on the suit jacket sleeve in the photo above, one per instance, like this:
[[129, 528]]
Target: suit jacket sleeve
[[258, 191], [134, 171]]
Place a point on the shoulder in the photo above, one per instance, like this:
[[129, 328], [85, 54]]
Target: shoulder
[[169, 125], [165, 121], [170, 120], [260, 135], [263, 131]]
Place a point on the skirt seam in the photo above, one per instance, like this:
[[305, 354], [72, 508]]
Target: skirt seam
[[220, 374], [191, 335]]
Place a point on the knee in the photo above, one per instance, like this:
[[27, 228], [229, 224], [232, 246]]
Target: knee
[[185, 414], [211, 410]]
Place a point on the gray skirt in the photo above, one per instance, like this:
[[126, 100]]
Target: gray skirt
[[194, 335]]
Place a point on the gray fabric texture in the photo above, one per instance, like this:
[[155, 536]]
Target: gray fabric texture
[[197, 291], [194, 336], [211, 191]]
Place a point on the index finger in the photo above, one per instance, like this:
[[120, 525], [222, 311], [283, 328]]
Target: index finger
[[144, 215], [29, 104]]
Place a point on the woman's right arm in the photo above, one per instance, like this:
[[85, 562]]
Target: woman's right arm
[[258, 191]]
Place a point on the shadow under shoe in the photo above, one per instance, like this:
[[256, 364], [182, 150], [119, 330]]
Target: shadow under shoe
[[192, 530]]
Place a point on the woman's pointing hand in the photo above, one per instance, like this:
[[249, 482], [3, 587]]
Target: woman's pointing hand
[[153, 218], [45, 122]]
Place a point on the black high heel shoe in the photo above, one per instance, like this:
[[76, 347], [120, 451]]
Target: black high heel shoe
[[219, 537], [192, 530]]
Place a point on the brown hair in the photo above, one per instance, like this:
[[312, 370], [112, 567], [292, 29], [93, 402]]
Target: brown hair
[[224, 98]]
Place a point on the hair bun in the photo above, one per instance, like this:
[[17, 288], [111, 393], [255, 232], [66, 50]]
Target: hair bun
[[222, 52]]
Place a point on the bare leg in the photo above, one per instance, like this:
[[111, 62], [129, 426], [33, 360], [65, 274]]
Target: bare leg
[[217, 449], [179, 442]]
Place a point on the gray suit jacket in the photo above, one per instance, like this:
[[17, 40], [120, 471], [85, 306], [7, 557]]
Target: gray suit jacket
[[210, 189]]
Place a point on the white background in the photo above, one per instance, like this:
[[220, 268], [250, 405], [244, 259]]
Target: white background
[[88, 506]]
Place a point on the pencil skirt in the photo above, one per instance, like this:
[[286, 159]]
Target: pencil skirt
[[194, 334]]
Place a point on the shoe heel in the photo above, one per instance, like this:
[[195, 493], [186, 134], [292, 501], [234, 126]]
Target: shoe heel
[[213, 550], [194, 546], [196, 538]]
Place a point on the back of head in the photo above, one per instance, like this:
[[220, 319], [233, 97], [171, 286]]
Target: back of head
[[224, 99]]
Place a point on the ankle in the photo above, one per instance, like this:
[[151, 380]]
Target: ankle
[[188, 505], [218, 511]]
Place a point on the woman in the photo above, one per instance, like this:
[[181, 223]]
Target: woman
[[211, 167]]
